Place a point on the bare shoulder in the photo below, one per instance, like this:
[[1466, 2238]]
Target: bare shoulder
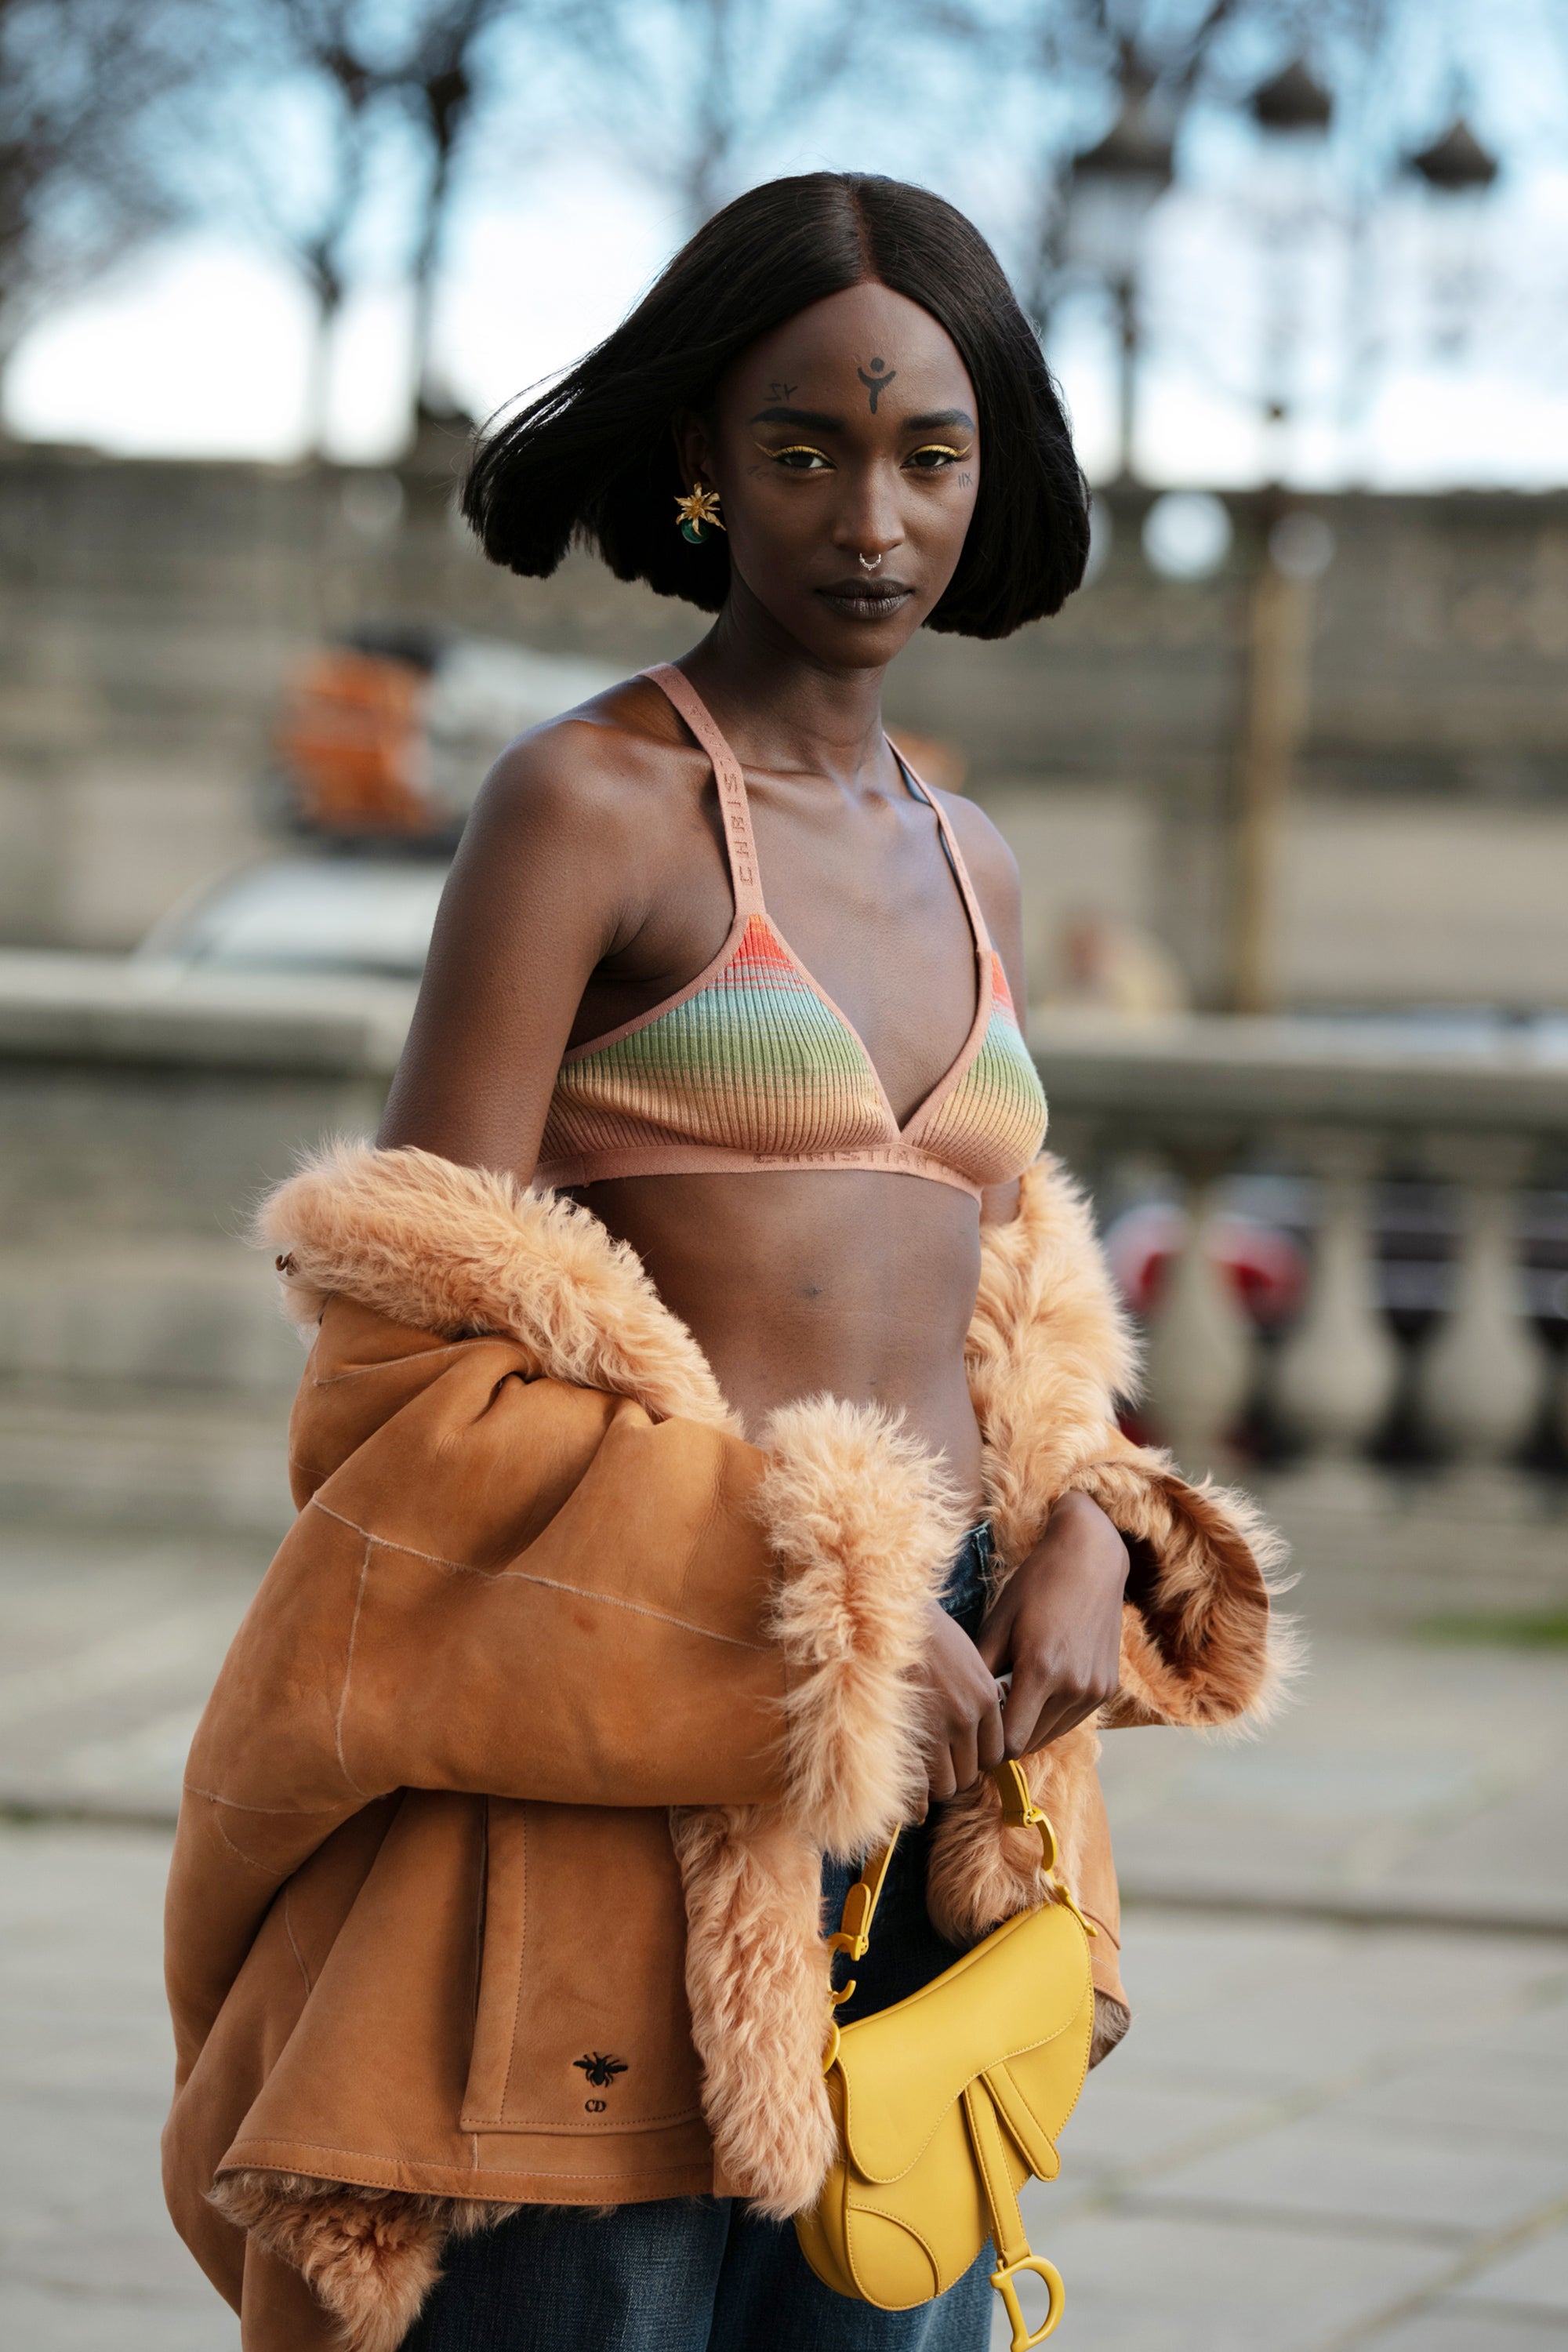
[[589, 778]]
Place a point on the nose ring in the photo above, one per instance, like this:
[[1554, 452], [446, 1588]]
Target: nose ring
[[870, 563]]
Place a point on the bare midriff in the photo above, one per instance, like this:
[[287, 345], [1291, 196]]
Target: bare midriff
[[793, 1284]]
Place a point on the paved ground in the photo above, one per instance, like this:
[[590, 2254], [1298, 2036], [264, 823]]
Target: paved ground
[[1331, 2126]]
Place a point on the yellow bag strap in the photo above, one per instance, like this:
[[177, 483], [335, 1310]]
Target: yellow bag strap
[[1019, 1811], [854, 1932], [1013, 2254]]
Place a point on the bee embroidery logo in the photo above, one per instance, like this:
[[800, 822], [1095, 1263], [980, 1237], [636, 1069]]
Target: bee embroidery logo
[[601, 2071]]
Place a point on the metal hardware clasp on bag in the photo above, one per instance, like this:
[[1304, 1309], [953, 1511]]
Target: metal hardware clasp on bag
[[852, 1936], [1020, 1811], [1001, 2281]]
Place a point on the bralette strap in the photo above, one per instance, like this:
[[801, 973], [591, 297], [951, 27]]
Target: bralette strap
[[733, 806], [955, 858]]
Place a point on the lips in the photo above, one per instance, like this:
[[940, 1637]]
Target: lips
[[867, 600]]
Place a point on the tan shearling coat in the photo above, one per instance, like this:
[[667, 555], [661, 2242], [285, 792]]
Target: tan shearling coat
[[529, 1749]]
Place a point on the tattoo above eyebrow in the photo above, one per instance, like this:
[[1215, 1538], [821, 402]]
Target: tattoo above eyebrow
[[805, 420], [782, 391]]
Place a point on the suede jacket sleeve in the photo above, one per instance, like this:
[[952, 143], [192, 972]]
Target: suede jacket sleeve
[[505, 1586]]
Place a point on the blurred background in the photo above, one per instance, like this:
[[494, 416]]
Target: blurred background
[[1287, 782]]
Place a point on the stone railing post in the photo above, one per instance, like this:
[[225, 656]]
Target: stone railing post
[[1480, 1383], [1339, 1368], [1200, 1338]]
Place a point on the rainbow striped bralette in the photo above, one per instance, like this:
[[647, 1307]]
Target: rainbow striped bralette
[[751, 1067]]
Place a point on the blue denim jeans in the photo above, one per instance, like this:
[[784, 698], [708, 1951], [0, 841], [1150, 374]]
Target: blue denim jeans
[[680, 2274], [701, 2273]]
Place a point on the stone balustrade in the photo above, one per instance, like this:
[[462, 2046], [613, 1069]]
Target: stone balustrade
[[142, 1112], [1196, 1106]]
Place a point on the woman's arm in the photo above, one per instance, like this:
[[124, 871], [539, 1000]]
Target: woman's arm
[[1057, 1626], [544, 888]]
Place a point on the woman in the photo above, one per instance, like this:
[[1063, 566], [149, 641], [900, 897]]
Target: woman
[[714, 963]]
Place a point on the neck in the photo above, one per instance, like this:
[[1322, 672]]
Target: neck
[[781, 708]]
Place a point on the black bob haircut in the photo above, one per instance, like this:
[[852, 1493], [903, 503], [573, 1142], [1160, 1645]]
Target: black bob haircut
[[593, 458]]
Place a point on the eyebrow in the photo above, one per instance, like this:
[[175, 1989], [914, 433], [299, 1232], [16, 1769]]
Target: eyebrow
[[809, 420], [815, 420]]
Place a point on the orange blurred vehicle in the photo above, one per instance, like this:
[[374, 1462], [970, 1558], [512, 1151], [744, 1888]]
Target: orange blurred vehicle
[[352, 741]]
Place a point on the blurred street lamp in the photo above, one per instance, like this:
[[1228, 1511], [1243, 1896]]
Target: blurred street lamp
[[1456, 165], [1292, 101], [1112, 189], [1458, 173], [1294, 110]]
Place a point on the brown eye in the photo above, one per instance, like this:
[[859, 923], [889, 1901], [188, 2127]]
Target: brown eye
[[934, 457], [799, 458]]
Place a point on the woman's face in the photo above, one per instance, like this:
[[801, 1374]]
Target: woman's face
[[850, 431]]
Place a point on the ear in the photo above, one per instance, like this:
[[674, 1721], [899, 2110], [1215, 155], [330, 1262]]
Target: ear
[[694, 448]]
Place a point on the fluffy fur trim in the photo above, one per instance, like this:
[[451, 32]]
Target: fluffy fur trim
[[461, 1251], [1049, 1351], [370, 2255], [1202, 1644], [863, 1527], [757, 1982]]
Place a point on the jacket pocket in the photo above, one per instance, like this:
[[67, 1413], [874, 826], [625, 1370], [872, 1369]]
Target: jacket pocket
[[581, 2022]]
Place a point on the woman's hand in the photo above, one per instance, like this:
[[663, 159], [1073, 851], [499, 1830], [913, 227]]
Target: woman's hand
[[1057, 1627], [963, 1708]]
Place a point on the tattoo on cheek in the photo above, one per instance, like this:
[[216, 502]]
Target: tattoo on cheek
[[782, 391], [966, 481]]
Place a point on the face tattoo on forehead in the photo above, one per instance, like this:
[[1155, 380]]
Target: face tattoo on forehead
[[877, 381]]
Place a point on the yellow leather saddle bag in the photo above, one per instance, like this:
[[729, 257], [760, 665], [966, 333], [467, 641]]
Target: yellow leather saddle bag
[[948, 2102]]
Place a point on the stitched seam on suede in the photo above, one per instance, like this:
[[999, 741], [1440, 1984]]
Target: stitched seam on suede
[[291, 1813], [293, 1946], [250, 1859], [377, 2156], [387, 1364], [349, 1665], [517, 1994], [551, 1583], [571, 2131]]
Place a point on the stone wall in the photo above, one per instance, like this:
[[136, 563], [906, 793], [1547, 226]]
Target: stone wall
[[148, 612]]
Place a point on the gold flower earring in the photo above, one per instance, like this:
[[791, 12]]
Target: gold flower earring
[[697, 512]]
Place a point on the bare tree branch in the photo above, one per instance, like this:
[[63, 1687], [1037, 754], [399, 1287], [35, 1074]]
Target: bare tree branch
[[81, 83]]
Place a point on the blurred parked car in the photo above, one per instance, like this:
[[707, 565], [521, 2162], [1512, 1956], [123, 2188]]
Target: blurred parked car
[[368, 915]]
